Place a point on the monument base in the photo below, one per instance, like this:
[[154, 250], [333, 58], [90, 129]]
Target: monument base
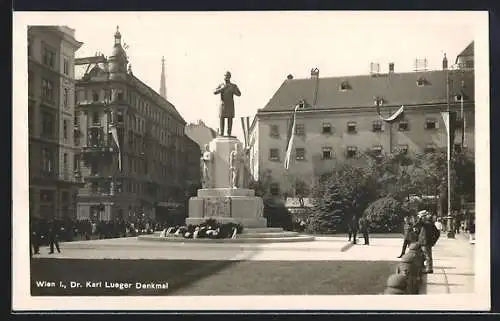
[[227, 205]]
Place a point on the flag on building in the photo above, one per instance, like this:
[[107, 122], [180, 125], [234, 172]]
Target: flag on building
[[114, 132], [450, 120], [394, 117], [290, 138]]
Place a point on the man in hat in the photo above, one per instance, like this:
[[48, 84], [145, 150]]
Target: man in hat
[[227, 90], [425, 238]]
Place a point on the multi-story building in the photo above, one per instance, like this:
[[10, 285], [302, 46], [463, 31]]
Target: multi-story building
[[338, 119], [200, 133], [132, 142], [51, 87]]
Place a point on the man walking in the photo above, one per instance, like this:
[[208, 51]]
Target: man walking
[[35, 236], [427, 238], [352, 227], [364, 228], [53, 236], [407, 235]]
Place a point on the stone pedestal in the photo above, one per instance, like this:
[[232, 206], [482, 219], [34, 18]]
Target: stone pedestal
[[221, 202]]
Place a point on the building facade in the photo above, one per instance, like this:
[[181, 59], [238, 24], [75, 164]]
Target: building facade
[[133, 149], [200, 133], [338, 120], [51, 88]]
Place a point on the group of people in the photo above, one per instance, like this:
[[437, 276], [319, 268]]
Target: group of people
[[358, 225], [425, 230], [52, 231]]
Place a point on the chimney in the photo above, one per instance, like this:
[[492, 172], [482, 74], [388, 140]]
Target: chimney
[[445, 62], [315, 73], [289, 77], [391, 67]]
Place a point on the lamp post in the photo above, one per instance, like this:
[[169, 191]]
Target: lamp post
[[448, 150]]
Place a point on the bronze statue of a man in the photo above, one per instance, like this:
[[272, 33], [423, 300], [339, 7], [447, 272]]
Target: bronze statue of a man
[[227, 90]]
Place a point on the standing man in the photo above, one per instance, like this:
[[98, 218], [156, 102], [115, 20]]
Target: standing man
[[427, 238], [35, 236], [353, 229], [364, 228], [227, 90], [407, 230], [53, 236]]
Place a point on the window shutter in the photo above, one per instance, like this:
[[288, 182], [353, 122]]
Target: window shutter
[[437, 124]]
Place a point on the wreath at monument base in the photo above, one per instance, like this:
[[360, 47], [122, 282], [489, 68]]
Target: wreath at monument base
[[210, 229]]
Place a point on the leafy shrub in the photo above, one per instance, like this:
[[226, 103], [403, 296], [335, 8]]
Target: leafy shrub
[[386, 215]]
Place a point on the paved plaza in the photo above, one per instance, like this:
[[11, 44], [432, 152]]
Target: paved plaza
[[453, 258]]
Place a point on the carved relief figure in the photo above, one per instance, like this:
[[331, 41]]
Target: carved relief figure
[[206, 160], [234, 166], [244, 172]]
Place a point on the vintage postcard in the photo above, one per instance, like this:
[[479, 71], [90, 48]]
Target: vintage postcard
[[251, 161]]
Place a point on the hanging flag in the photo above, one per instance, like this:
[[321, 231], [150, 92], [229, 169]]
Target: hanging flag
[[394, 117], [114, 132], [244, 130], [290, 138], [450, 119]]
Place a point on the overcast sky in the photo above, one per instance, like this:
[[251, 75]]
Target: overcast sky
[[262, 48]]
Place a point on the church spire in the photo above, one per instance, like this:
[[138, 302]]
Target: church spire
[[163, 88]]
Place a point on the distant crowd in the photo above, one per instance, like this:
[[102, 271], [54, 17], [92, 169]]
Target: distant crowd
[[49, 232]]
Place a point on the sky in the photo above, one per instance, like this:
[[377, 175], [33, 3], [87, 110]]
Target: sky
[[261, 49]]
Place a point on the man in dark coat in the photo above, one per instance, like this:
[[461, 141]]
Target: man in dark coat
[[53, 234], [407, 230], [352, 226], [227, 91], [425, 227], [35, 231], [364, 228]]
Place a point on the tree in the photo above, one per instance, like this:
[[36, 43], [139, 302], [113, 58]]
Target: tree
[[341, 194], [385, 215]]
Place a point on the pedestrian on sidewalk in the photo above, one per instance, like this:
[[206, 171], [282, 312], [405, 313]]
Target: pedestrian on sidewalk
[[427, 238], [352, 227], [408, 235], [364, 228], [54, 236]]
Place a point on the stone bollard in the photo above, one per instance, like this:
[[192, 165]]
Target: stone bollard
[[409, 267], [396, 284]]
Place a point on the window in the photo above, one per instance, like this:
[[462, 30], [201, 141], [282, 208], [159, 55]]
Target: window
[[327, 153], [351, 151], [46, 160], [94, 136], [403, 149], [274, 131], [65, 161], [300, 153], [300, 130], [327, 128], [351, 127], [95, 118], [431, 123], [120, 96], [47, 90], [48, 125], [66, 98], [345, 86], [65, 129], [46, 196], [421, 82], [76, 162], [95, 96], [274, 189], [48, 57], [377, 125], [274, 154], [469, 64], [403, 125], [66, 66], [430, 148], [457, 147], [377, 150], [64, 197]]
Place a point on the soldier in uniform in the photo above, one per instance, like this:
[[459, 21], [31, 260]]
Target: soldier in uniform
[[227, 90]]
